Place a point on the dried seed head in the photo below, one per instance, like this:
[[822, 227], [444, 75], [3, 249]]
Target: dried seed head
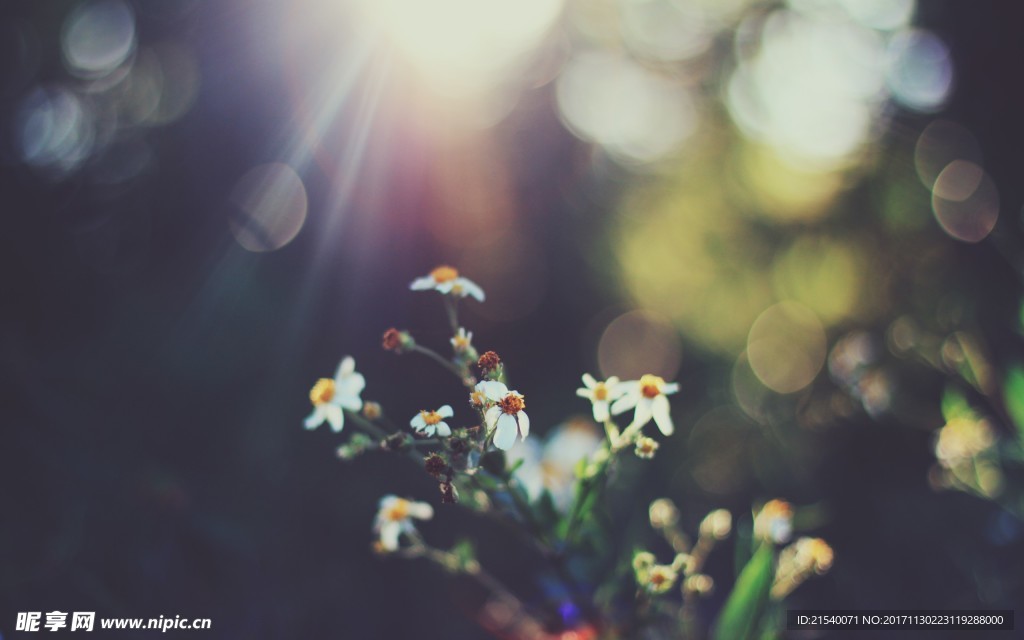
[[435, 465], [488, 362], [449, 494]]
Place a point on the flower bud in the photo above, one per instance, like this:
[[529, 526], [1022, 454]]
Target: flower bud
[[716, 524], [663, 513]]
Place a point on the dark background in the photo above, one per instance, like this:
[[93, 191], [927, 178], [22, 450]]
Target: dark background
[[155, 373]]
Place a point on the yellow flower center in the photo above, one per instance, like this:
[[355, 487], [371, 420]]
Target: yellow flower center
[[658, 578], [650, 386], [322, 392], [430, 417], [461, 342], [512, 403], [399, 510], [601, 391], [444, 273], [646, 445]]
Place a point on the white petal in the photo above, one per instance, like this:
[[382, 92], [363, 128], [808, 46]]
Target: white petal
[[350, 384], [670, 387], [589, 381], [347, 366], [585, 393], [643, 413], [662, 418], [428, 430], [446, 411], [445, 287], [601, 411], [316, 418], [471, 288], [612, 382], [443, 429], [387, 502], [421, 284], [524, 424], [335, 416], [493, 389], [421, 510], [492, 416], [352, 403], [418, 422], [505, 434], [389, 535], [625, 403]]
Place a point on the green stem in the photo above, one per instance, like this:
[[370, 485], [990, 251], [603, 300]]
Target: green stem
[[451, 308], [447, 364]]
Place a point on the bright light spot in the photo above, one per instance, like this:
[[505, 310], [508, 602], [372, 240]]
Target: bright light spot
[[822, 274], [940, 143], [269, 207], [885, 15], [920, 72], [664, 29], [785, 192], [813, 89], [464, 44], [54, 129], [636, 114], [786, 347], [98, 37], [965, 201], [637, 343]]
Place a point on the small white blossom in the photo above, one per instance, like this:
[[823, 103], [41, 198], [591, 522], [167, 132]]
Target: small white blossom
[[462, 341], [648, 396], [432, 422], [394, 518], [330, 397], [447, 280], [646, 447], [601, 394], [506, 416]]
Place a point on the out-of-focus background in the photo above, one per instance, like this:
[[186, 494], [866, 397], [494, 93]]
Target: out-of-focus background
[[808, 213]]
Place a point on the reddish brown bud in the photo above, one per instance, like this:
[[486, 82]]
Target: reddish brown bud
[[488, 362]]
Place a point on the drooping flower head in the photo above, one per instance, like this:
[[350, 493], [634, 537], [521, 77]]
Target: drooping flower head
[[331, 396], [600, 394], [432, 422], [447, 280], [394, 518], [506, 416], [648, 396]]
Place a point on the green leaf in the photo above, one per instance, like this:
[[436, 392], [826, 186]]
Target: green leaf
[[1013, 395], [954, 405], [743, 608]]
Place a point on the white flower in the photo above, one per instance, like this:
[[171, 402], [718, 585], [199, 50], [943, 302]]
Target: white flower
[[601, 394], [329, 397], [648, 396], [395, 518], [550, 464], [431, 422], [448, 281], [462, 341], [506, 416]]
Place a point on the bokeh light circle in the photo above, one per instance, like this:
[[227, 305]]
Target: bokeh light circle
[[965, 201], [920, 71], [98, 37], [639, 342], [786, 347], [269, 207]]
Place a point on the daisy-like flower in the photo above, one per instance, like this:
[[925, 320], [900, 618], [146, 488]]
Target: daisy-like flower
[[330, 397], [432, 422], [394, 517], [506, 416], [648, 396], [600, 394], [462, 341], [447, 280]]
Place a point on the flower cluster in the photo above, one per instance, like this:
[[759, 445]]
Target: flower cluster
[[480, 456]]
